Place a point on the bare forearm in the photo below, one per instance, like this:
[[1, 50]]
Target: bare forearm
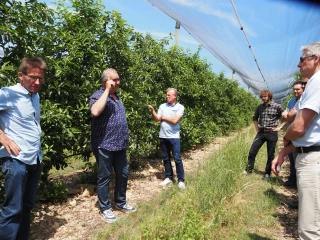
[[156, 117], [172, 120], [300, 124]]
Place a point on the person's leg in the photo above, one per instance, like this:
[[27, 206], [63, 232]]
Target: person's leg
[[272, 139], [255, 147], [104, 160], [15, 178], [165, 147], [308, 175], [292, 179], [175, 143], [121, 171], [29, 199]]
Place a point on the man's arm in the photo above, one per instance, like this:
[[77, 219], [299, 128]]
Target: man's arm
[[100, 104], [281, 126], [156, 117], [279, 159], [291, 115], [11, 146], [172, 120], [256, 125], [300, 124]]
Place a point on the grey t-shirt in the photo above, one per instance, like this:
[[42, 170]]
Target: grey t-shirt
[[168, 130]]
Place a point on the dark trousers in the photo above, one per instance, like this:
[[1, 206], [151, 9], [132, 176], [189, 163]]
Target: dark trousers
[[168, 145], [271, 138], [292, 177], [107, 160]]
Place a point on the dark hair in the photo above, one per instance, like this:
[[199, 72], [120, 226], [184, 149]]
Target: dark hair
[[302, 83], [266, 92], [33, 62]]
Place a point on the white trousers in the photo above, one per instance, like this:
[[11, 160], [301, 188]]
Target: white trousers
[[308, 179]]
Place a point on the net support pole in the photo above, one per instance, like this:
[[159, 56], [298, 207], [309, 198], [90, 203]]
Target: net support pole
[[176, 39]]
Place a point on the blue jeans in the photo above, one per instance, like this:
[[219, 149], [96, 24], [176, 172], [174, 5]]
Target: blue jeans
[[168, 145], [271, 138], [20, 184], [105, 161]]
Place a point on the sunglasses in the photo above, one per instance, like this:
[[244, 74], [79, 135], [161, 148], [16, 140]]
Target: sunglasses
[[302, 59]]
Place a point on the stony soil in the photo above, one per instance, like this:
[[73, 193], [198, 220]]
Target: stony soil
[[78, 217]]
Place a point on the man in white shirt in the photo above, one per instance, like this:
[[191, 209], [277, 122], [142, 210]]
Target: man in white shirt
[[304, 136], [170, 114]]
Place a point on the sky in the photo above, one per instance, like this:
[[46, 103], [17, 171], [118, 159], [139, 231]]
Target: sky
[[146, 18], [276, 30]]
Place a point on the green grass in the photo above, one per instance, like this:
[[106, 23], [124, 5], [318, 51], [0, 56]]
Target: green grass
[[219, 202], [74, 164]]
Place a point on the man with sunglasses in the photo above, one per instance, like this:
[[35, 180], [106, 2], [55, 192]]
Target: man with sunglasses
[[303, 135], [20, 152], [266, 120]]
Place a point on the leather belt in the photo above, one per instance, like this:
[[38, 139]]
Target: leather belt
[[308, 149], [265, 130]]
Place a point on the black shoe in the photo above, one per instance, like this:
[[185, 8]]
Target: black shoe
[[293, 204], [290, 184]]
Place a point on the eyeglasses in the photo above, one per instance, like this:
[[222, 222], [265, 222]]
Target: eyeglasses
[[34, 78], [302, 59]]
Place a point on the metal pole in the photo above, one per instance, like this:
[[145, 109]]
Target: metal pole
[[176, 39]]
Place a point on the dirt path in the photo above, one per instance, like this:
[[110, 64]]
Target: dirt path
[[78, 218]]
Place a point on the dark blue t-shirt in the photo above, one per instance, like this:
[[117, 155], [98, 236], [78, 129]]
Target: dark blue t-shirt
[[110, 128]]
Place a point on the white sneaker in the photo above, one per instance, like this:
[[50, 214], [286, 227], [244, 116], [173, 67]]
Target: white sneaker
[[165, 182], [181, 185], [108, 216], [267, 177]]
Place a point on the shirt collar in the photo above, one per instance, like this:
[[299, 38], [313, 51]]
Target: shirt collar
[[171, 105], [21, 89]]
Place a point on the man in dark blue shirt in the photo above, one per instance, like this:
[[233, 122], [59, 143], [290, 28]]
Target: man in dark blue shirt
[[266, 120], [109, 141]]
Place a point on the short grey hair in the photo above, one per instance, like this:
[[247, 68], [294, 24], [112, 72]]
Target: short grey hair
[[312, 49], [174, 90], [106, 73]]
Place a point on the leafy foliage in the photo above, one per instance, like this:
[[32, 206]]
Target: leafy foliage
[[53, 192], [78, 41]]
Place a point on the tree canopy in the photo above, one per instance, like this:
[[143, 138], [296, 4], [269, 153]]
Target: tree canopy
[[78, 41]]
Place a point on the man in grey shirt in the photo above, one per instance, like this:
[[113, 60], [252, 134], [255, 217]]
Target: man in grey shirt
[[170, 114]]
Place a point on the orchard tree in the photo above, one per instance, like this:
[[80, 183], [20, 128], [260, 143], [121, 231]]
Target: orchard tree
[[78, 41]]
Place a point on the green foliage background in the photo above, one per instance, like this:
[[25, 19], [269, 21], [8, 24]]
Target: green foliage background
[[81, 39]]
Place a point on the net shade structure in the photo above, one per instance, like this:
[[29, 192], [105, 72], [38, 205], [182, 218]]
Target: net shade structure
[[259, 40]]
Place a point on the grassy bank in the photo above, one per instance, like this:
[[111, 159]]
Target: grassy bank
[[219, 203]]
